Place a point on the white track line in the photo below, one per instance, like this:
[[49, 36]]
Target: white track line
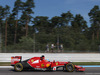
[[6, 67], [92, 73]]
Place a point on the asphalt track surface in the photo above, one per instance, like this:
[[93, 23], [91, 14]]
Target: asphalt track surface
[[89, 71]]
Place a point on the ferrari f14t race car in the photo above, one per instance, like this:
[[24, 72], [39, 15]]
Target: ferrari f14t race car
[[40, 63]]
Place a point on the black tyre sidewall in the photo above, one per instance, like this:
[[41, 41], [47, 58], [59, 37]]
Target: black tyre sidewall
[[16, 67], [69, 65]]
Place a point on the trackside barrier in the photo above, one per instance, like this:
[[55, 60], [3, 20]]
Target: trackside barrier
[[73, 57]]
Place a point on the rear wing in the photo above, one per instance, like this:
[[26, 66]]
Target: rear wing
[[15, 59]]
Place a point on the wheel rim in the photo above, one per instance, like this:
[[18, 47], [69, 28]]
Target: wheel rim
[[18, 67], [70, 68]]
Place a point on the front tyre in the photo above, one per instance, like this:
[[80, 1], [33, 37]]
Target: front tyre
[[18, 67], [69, 67]]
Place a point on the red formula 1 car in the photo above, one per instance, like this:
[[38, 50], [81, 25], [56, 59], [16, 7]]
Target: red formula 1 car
[[40, 63]]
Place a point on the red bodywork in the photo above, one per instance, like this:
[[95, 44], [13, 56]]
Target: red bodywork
[[36, 62], [15, 59]]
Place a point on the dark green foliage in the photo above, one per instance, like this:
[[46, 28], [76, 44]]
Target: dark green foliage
[[25, 44], [42, 24], [79, 24], [95, 21]]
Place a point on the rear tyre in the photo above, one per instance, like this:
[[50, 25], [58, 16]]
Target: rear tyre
[[18, 67], [69, 67]]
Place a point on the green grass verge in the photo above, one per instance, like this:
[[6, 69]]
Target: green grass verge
[[75, 63], [5, 63], [86, 63]]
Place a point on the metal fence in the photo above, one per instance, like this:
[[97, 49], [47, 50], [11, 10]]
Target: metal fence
[[72, 57]]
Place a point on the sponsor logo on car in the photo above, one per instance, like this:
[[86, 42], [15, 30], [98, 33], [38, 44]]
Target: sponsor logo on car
[[32, 60], [15, 59], [56, 63], [42, 65]]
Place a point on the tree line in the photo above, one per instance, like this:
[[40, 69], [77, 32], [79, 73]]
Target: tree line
[[21, 31]]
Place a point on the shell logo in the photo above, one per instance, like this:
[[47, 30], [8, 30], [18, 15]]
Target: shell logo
[[42, 65], [47, 65]]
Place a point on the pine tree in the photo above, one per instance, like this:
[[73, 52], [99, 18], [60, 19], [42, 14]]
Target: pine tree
[[17, 7], [28, 10], [6, 14], [1, 17], [95, 21]]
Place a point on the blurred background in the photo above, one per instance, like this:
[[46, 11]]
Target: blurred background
[[23, 31]]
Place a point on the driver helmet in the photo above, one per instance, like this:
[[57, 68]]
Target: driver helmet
[[42, 57]]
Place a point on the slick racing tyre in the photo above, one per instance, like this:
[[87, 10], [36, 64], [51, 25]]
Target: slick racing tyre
[[18, 67], [69, 67]]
